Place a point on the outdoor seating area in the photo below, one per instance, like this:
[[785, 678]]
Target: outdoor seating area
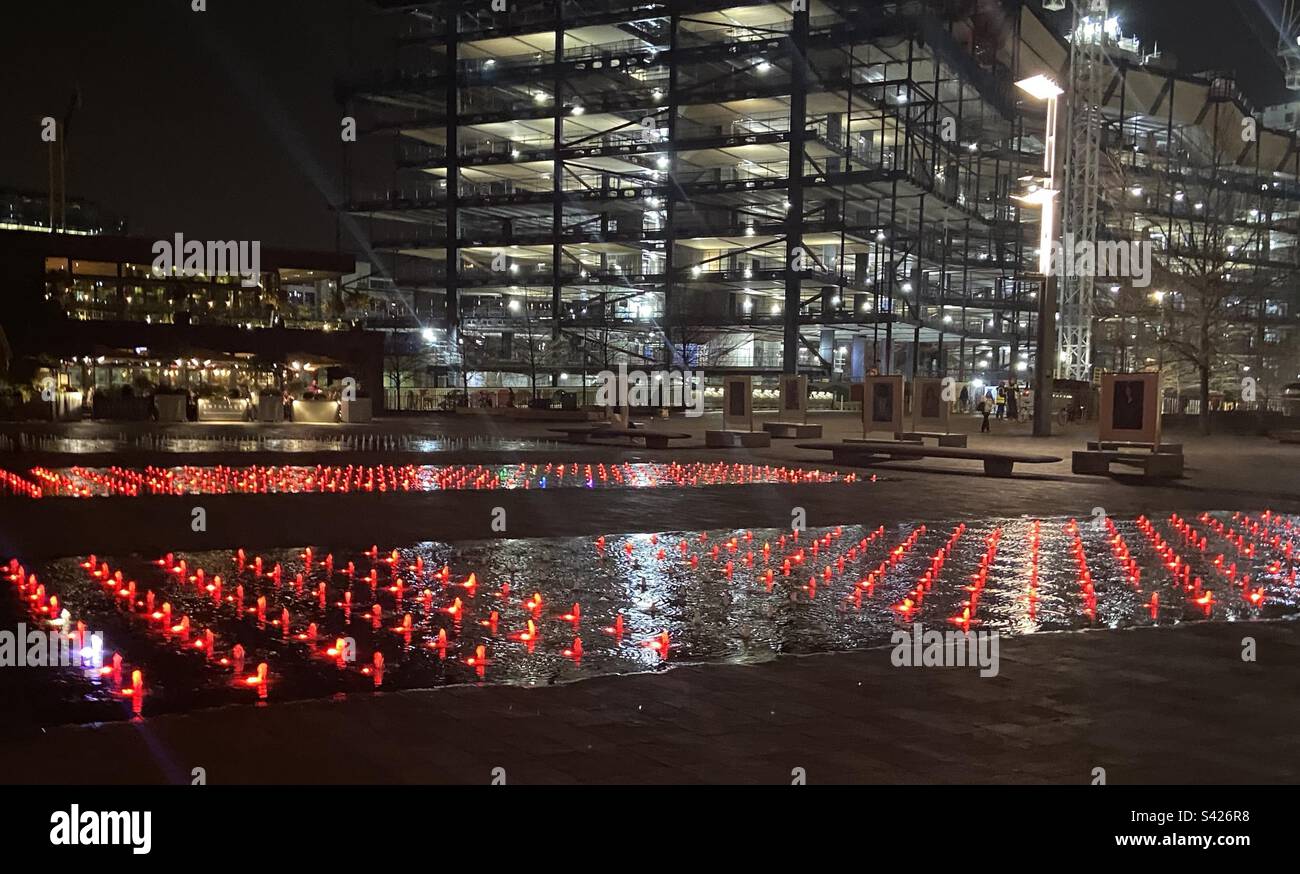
[[729, 439], [1149, 463], [651, 438], [1118, 445], [793, 430], [941, 438], [865, 453]]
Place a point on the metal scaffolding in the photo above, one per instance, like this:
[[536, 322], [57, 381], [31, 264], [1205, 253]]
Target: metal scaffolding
[[1088, 77], [730, 186]]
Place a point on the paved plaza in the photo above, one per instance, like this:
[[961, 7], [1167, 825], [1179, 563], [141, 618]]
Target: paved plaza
[[1166, 704], [1223, 472]]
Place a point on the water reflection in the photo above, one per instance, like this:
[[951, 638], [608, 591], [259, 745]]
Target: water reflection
[[217, 442], [90, 482], [542, 611]]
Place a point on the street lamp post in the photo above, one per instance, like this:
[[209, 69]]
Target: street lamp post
[[1046, 340], [1043, 88]]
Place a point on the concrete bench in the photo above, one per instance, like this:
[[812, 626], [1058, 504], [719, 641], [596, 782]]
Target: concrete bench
[[793, 430], [1118, 445], [1097, 462], [957, 441], [868, 452], [653, 439], [724, 439]]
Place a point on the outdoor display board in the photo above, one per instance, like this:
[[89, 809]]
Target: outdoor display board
[[1130, 407], [794, 398], [882, 404], [929, 409], [737, 404]]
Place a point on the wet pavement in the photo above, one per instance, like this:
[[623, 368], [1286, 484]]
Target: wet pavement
[[211, 628], [1167, 705], [1062, 704]]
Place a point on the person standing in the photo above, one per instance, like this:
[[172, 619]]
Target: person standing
[[985, 407], [1013, 403], [963, 400], [1002, 400]]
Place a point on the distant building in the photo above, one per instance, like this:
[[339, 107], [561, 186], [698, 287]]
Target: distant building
[[90, 312], [1283, 116], [30, 211]]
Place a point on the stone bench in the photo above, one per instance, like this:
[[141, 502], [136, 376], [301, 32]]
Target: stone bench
[[1118, 445], [725, 439], [869, 452], [652, 439], [1097, 462], [793, 430], [941, 438]]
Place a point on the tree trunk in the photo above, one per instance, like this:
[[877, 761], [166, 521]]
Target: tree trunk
[[1205, 400], [532, 364], [1203, 367]]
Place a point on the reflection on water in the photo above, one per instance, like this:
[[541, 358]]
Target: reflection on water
[[90, 482], [217, 442], [198, 625]]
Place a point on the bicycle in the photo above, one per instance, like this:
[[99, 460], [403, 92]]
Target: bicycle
[[1066, 415]]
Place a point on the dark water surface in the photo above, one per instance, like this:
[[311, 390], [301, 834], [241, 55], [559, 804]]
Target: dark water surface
[[706, 596]]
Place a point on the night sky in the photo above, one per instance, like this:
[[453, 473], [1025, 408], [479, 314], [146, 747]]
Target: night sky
[[224, 125]]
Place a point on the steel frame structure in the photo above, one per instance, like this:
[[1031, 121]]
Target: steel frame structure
[[1187, 167], [1179, 173], [1084, 95], [752, 186], [1288, 43]]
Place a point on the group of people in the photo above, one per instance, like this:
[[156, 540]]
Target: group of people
[[1005, 400]]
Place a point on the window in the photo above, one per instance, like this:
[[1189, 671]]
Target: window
[[94, 268]]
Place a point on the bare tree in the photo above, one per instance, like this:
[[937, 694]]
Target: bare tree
[[536, 345], [404, 355], [1213, 289], [479, 354], [1211, 272], [693, 336]]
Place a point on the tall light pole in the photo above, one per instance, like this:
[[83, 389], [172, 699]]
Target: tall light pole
[[1041, 87]]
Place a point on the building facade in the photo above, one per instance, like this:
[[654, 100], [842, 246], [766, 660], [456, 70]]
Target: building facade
[[92, 315], [828, 187], [1191, 170], [729, 186]]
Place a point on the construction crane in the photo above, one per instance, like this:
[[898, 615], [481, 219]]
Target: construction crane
[[1288, 43], [1090, 70], [59, 167]]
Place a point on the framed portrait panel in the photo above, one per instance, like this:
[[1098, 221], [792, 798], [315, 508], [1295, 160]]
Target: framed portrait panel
[[737, 404], [882, 404], [794, 398], [929, 409], [1130, 407]]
